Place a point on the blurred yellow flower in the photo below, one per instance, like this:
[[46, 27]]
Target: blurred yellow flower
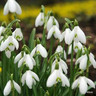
[[69, 10], [0, 69]]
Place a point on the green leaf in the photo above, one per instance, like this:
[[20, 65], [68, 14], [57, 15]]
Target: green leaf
[[31, 39]]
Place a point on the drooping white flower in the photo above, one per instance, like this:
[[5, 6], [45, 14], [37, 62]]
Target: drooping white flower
[[2, 29], [40, 50], [39, 20], [8, 87], [9, 45], [50, 23], [76, 34], [83, 61], [18, 34], [62, 65], [82, 83], [27, 60], [57, 76], [55, 32], [12, 6], [77, 46], [30, 78], [19, 56], [60, 49]]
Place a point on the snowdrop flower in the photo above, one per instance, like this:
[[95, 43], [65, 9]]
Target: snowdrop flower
[[27, 60], [19, 56], [30, 78], [18, 34], [57, 76], [55, 32], [50, 23], [83, 61], [8, 87], [2, 29], [82, 83], [40, 50], [62, 65], [60, 49], [39, 20], [76, 34], [12, 6], [77, 46], [9, 45]]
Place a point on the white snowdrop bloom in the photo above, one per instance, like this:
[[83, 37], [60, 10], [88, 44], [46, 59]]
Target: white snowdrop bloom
[[50, 23], [77, 46], [76, 34], [57, 76], [19, 56], [62, 65], [30, 78], [92, 60], [2, 29], [8, 87], [40, 50], [79, 35], [39, 20], [18, 34], [82, 83], [83, 61], [60, 49], [68, 35], [9, 43], [28, 61], [55, 32], [12, 6]]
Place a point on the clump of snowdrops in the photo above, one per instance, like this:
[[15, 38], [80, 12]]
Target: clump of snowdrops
[[37, 70]]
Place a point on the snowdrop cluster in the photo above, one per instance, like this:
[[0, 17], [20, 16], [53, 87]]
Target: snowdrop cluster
[[55, 67]]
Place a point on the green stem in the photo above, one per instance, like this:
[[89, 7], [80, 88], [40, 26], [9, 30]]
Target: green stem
[[71, 70], [44, 38], [51, 46]]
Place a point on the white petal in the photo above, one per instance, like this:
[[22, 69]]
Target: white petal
[[17, 58], [17, 87], [69, 36], [83, 86], [39, 20], [75, 83], [29, 62], [57, 33], [59, 49], [20, 62], [35, 76], [80, 34], [92, 60], [42, 50], [8, 53], [18, 8], [70, 48], [90, 82], [34, 63], [49, 35], [79, 59], [83, 63], [2, 29], [7, 88], [29, 80], [23, 79], [52, 79], [33, 52], [6, 9], [4, 45], [64, 80], [12, 6]]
